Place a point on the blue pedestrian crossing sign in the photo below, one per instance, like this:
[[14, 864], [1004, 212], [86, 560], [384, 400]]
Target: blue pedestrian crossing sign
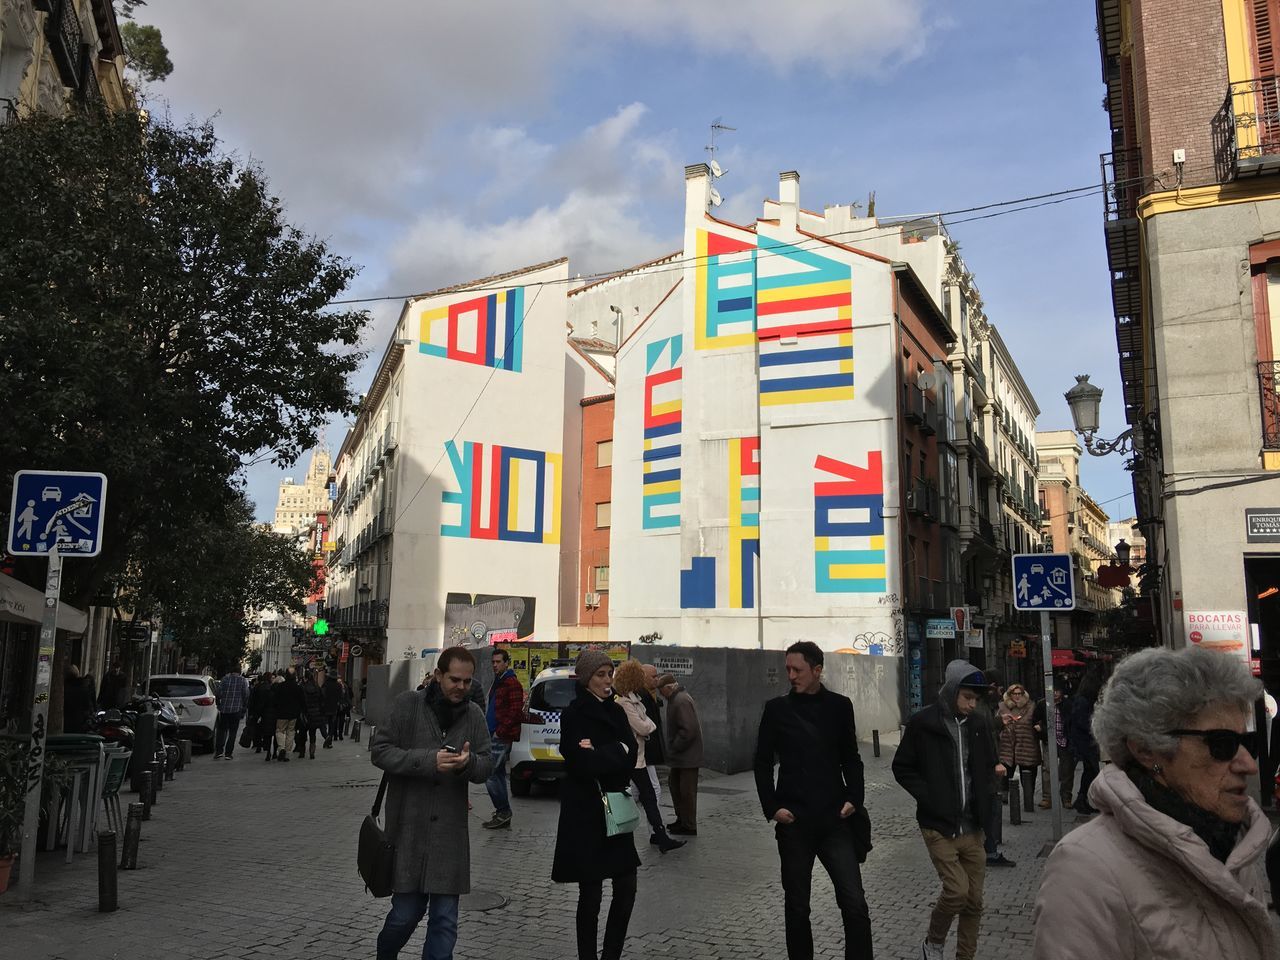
[[1043, 581], [57, 511]]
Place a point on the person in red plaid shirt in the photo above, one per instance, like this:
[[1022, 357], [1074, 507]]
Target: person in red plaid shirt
[[506, 703]]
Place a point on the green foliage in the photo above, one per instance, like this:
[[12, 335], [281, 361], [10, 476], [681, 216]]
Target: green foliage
[[160, 321], [145, 52], [13, 788]]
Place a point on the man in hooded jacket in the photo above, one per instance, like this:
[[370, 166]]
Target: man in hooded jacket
[[945, 761]]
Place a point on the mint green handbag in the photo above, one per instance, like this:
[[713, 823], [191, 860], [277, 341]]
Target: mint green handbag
[[620, 813]]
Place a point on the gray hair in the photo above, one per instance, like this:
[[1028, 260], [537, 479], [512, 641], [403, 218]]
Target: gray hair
[[1158, 690]]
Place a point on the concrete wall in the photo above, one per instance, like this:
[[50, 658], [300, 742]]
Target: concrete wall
[[731, 687], [1211, 425]]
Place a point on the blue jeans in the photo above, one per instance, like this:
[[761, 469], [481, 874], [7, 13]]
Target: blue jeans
[[407, 910], [497, 782]]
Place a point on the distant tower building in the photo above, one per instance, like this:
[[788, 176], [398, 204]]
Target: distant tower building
[[298, 503]]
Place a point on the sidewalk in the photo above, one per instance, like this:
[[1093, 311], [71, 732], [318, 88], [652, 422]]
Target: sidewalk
[[245, 860]]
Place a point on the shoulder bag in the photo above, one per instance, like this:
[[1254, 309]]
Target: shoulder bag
[[376, 855], [621, 815]]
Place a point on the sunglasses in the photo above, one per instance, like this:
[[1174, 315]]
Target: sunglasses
[[1223, 744]]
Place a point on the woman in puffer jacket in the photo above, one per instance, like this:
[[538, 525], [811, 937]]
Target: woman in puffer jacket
[[1019, 744], [1171, 869]]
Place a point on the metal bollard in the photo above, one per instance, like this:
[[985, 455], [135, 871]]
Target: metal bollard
[[132, 835], [1028, 799], [148, 794], [355, 731], [157, 779], [107, 871], [875, 743], [170, 761], [1015, 803], [184, 755]]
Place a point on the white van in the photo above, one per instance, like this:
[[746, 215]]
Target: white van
[[536, 755]]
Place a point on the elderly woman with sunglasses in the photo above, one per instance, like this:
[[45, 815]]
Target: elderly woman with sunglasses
[[1171, 868]]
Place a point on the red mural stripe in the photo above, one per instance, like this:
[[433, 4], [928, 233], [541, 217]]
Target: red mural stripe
[[804, 303], [805, 329], [717, 244]]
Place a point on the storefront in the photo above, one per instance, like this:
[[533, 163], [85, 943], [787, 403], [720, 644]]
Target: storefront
[[20, 610]]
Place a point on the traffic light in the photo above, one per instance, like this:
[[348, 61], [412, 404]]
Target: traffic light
[[320, 627]]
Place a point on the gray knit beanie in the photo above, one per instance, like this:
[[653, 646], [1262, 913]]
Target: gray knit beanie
[[589, 661]]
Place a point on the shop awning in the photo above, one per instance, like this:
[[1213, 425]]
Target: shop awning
[[22, 604], [1065, 658]]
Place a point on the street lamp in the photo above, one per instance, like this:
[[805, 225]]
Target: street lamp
[[1122, 552], [1085, 401]]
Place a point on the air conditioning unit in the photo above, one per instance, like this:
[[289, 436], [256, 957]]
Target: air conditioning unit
[[591, 599]]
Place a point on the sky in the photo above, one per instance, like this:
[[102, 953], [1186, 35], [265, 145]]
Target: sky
[[436, 143]]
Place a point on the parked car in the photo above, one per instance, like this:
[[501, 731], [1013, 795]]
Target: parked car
[[536, 755], [195, 698]]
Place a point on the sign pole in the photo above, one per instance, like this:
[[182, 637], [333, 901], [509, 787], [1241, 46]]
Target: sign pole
[[39, 727], [1051, 724]]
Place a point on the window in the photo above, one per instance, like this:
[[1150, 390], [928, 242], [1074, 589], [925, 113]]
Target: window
[[603, 513], [600, 579], [604, 453]]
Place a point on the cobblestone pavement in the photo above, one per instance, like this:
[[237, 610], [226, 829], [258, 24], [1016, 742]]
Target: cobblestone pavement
[[249, 860]]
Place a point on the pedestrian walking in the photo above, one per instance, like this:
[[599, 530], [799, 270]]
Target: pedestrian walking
[[262, 716], [1172, 866], [986, 712], [628, 681], [684, 755], [1080, 739], [344, 710], [316, 716], [503, 710], [1066, 761], [1018, 741], [233, 700], [599, 756], [113, 694], [811, 734], [654, 747], [288, 704], [78, 701], [432, 744], [331, 696], [945, 761]]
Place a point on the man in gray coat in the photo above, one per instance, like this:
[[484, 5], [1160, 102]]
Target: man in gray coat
[[684, 754], [434, 742]]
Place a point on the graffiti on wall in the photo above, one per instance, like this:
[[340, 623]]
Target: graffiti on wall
[[487, 331], [848, 526], [472, 619], [797, 303], [663, 419], [744, 520], [508, 493]]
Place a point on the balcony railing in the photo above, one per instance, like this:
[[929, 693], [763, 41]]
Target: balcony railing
[[1268, 375], [1122, 183], [922, 499], [1246, 129], [62, 29]]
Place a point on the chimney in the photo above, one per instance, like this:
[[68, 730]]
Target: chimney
[[697, 190], [788, 200]]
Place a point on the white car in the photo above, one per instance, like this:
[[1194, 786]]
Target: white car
[[195, 699], [536, 755]]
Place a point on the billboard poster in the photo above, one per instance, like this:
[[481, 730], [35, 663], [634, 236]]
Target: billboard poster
[[1226, 631]]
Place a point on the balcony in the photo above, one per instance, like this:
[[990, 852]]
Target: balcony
[[922, 500], [913, 406], [1268, 374], [1246, 130], [62, 30], [929, 425]]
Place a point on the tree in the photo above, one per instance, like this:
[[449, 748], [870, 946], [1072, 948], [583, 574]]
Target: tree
[[160, 321], [145, 52]]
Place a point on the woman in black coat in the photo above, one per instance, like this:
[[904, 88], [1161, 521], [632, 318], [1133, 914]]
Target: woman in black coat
[[262, 716], [599, 754]]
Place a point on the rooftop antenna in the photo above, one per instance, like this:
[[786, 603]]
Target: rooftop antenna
[[717, 128]]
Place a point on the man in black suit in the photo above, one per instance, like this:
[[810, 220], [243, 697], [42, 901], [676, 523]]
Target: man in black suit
[[816, 803]]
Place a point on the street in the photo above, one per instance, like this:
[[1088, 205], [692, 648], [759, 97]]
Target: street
[[249, 860]]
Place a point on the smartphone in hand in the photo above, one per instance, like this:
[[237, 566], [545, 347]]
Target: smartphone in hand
[[451, 749]]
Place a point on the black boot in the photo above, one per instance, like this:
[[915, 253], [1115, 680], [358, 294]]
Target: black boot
[[313, 751]]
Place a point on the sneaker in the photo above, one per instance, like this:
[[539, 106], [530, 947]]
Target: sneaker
[[226, 756], [498, 821], [217, 756], [1000, 860], [930, 950]]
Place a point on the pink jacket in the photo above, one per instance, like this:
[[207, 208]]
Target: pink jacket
[[641, 725], [1134, 884]]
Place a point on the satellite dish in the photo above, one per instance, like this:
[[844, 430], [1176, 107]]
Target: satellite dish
[[926, 380], [715, 169], [716, 199]]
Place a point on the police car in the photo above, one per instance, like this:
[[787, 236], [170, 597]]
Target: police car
[[536, 755]]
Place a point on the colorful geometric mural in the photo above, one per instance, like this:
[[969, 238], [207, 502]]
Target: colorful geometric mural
[[487, 331], [725, 293], [805, 325], [848, 527], [512, 494], [663, 418], [795, 302], [698, 584], [744, 521]]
